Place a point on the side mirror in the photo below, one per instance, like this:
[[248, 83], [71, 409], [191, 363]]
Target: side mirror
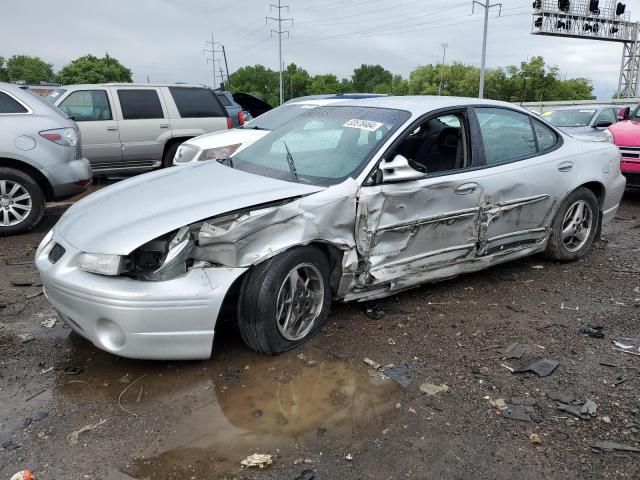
[[603, 124], [399, 169]]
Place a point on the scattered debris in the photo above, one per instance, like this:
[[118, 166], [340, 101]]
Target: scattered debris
[[139, 397], [559, 435], [73, 437], [542, 367], [374, 312], [507, 367], [35, 294], [535, 439], [23, 475], [401, 373], [606, 419], [348, 458], [259, 460], [46, 370], [299, 461], [575, 411], [125, 391], [431, 389], [594, 331], [562, 307], [561, 397], [516, 412], [627, 345], [372, 363], [515, 350], [590, 407], [25, 337], [391, 341], [49, 322], [10, 445], [36, 394], [72, 370], [21, 283], [611, 446], [307, 475], [499, 403], [537, 267]]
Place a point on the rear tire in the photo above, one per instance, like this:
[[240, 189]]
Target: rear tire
[[574, 227], [167, 159], [21, 202], [285, 300]]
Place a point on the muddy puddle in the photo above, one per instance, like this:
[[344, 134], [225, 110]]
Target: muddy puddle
[[236, 404]]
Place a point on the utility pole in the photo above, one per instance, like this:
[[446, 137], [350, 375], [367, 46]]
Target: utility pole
[[222, 78], [212, 50], [226, 66], [487, 6], [280, 32], [444, 52]]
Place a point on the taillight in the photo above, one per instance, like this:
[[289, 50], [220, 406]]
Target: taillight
[[229, 123], [241, 118], [62, 136]]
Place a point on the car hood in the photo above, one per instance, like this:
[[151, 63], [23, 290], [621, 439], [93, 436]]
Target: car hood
[[227, 137], [626, 133], [120, 218]]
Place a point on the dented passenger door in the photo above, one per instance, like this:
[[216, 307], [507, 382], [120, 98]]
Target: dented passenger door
[[406, 232]]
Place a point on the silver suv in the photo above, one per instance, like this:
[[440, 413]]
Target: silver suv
[[131, 128], [40, 158]]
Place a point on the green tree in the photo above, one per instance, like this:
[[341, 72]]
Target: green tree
[[259, 81], [28, 69], [328, 83], [3, 70], [91, 69], [296, 82], [367, 78]]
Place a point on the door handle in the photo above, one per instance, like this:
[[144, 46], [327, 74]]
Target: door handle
[[112, 129], [565, 166], [466, 188], [164, 125]]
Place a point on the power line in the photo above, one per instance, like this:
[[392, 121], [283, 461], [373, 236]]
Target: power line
[[280, 32]]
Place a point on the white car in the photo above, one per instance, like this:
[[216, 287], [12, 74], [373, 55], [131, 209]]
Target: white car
[[221, 145]]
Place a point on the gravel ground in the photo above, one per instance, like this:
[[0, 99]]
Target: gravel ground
[[321, 408]]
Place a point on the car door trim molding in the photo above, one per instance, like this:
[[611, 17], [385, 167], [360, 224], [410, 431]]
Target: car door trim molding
[[403, 226], [516, 234], [404, 261]]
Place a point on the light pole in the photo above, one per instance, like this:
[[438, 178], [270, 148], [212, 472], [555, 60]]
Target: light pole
[[487, 6], [444, 52]]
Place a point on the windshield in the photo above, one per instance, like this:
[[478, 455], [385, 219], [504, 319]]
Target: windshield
[[54, 95], [322, 146], [578, 117], [278, 116]]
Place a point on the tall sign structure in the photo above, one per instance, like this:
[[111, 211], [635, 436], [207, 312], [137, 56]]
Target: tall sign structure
[[605, 20]]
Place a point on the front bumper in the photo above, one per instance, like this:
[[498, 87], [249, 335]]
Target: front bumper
[[631, 170], [169, 320], [615, 191]]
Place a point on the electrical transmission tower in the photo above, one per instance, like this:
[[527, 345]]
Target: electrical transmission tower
[[280, 32], [487, 6], [210, 48], [604, 20]]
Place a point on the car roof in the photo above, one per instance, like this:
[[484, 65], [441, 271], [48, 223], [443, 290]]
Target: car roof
[[420, 104], [586, 107]]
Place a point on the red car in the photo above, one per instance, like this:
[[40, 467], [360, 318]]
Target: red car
[[626, 135]]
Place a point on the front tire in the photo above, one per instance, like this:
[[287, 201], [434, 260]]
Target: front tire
[[21, 202], [574, 227], [285, 300], [167, 159]]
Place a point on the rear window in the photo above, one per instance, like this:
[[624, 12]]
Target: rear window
[[54, 95], [223, 98], [193, 102], [10, 105], [140, 104]]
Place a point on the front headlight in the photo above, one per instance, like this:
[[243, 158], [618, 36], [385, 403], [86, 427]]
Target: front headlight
[[185, 154], [219, 153], [101, 263], [45, 242], [609, 136]]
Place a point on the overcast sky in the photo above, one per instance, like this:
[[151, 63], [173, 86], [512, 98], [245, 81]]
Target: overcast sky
[[164, 39]]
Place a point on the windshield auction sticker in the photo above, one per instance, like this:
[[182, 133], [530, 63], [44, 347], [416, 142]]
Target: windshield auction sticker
[[368, 125]]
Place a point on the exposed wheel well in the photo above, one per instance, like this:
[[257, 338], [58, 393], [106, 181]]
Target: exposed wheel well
[[173, 141], [598, 190], [33, 172]]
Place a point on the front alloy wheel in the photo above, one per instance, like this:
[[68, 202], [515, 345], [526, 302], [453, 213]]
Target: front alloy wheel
[[15, 203], [285, 300], [576, 225]]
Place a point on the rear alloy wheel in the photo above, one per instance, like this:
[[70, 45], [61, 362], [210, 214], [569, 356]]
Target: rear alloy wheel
[[21, 202], [574, 227], [285, 300]]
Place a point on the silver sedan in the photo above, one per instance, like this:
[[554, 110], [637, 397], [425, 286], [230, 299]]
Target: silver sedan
[[355, 201]]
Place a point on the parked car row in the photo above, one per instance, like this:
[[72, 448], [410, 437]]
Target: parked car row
[[351, 199]]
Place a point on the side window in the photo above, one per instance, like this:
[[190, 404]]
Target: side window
[[140, 104], [507, 135], [196, 102], [437, 145], [223, 98], [547, 138], [606, 116], [87, 105], [9, 105]]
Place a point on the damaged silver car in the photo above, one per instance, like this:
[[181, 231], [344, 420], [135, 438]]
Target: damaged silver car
[[354, 201]]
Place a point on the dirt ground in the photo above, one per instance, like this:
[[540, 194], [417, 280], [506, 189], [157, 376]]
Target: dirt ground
[[321, 408]]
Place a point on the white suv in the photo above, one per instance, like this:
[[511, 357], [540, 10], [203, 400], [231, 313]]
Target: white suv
[[131, 128]]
